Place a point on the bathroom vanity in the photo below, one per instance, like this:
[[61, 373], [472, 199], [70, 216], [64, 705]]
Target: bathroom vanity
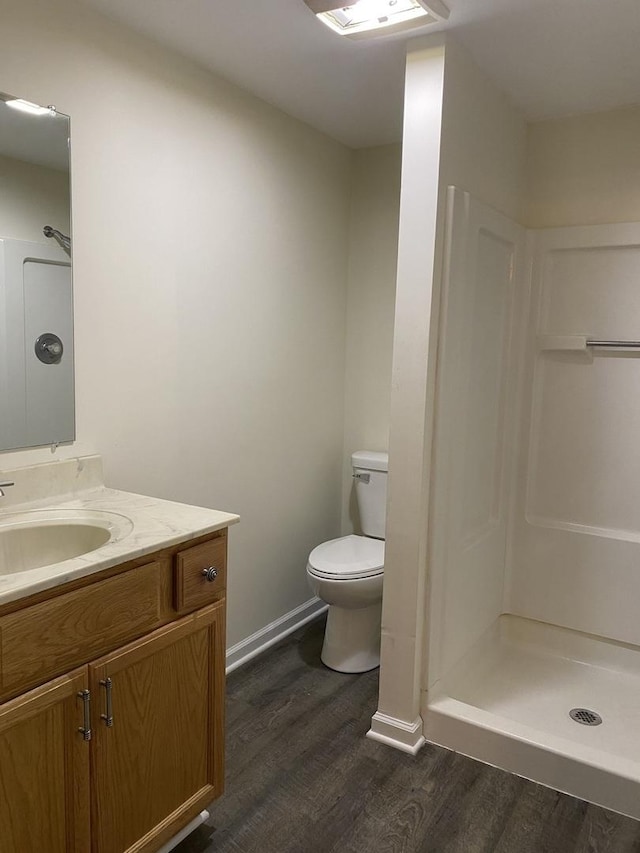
[[112, 666]]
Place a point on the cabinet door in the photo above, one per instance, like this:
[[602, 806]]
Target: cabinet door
[[44, 769], [160, 761]]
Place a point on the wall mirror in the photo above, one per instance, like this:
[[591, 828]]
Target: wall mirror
[[36, 302]]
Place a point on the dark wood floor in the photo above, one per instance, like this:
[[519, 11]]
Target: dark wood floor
[[302, 778]]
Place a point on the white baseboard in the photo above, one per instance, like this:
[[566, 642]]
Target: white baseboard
[[399, 734], [271, 634]]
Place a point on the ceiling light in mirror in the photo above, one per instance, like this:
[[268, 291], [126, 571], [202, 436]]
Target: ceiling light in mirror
[[377, 17], [28, 107]]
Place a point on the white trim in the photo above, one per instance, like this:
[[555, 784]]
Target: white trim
[[257, 643], [399, 734]]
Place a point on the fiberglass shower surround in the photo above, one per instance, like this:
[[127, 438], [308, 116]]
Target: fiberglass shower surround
[[536, 534]]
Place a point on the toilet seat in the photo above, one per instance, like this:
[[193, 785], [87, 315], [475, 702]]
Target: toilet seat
[[348, 558]]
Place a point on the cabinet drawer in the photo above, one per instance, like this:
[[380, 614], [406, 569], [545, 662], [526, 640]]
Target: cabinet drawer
[[192, 587], [49, 638]]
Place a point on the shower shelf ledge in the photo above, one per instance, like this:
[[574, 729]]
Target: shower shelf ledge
[[584, 344]]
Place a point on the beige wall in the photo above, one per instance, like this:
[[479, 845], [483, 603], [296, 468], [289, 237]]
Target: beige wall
[[584, 170], [373, 252], [483, 138], [31, 197], [210, 259]]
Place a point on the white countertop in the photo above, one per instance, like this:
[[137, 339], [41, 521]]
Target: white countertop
[[147, 524]]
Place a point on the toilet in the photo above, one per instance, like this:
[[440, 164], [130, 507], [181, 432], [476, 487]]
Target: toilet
[[347, 573]]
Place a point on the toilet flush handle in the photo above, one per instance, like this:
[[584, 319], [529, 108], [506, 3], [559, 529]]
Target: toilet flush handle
[[362, 476]]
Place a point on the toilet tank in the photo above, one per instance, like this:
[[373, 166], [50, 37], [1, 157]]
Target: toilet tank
[[370, 473]]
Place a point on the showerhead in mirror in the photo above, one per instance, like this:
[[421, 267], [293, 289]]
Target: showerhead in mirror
[[64, 241]]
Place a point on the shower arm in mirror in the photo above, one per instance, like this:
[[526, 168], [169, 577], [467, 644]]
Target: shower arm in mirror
[[64, 241]]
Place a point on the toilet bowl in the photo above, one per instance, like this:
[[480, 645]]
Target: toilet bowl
[[347, 573]]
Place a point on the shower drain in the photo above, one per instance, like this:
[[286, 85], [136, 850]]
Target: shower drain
[[585, 716]]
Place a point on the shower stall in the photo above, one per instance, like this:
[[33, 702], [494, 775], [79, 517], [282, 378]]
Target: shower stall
[[533, 637]]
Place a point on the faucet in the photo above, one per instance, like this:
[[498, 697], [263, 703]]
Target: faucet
[[4, 485]]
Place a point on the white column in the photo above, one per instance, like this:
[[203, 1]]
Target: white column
[[397, 720]]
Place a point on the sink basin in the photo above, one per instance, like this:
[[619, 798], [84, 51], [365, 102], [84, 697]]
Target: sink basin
[[32, 540]]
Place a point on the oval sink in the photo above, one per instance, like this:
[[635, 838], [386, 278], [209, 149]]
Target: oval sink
[[32, 540]]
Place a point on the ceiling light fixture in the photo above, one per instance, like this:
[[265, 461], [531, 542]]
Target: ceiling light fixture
[[29, 107], [377, 17]]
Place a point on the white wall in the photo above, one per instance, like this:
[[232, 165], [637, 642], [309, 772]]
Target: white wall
[[31, 197], [210, 258], [484, 154], [578, 170], [458, 130], [373, 252], [584, 170], [403, 605]]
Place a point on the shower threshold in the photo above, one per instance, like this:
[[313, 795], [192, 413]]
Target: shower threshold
[[508, 703]]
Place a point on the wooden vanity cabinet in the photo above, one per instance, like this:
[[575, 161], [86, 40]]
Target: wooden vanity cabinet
[[155, 708], [161, 760], [44, 770]]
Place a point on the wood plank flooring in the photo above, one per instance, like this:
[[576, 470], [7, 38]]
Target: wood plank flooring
[[302, 778]]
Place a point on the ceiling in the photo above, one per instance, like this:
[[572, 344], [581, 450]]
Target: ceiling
[[551, 57]]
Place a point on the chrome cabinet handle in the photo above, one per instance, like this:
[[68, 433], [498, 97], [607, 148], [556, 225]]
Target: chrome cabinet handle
[[210, 574], [85, 729], [108, 717]]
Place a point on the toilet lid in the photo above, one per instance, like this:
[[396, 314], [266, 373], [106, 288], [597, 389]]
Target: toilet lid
[[348, 557]]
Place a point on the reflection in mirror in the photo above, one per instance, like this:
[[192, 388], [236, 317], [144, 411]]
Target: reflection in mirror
[[36, 305]]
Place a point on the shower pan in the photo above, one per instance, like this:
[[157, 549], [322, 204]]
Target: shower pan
[[533, 660]]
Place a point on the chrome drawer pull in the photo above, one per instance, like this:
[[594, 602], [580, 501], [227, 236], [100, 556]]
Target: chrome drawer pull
[[210, 574], [108, 717], [85, 729]]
